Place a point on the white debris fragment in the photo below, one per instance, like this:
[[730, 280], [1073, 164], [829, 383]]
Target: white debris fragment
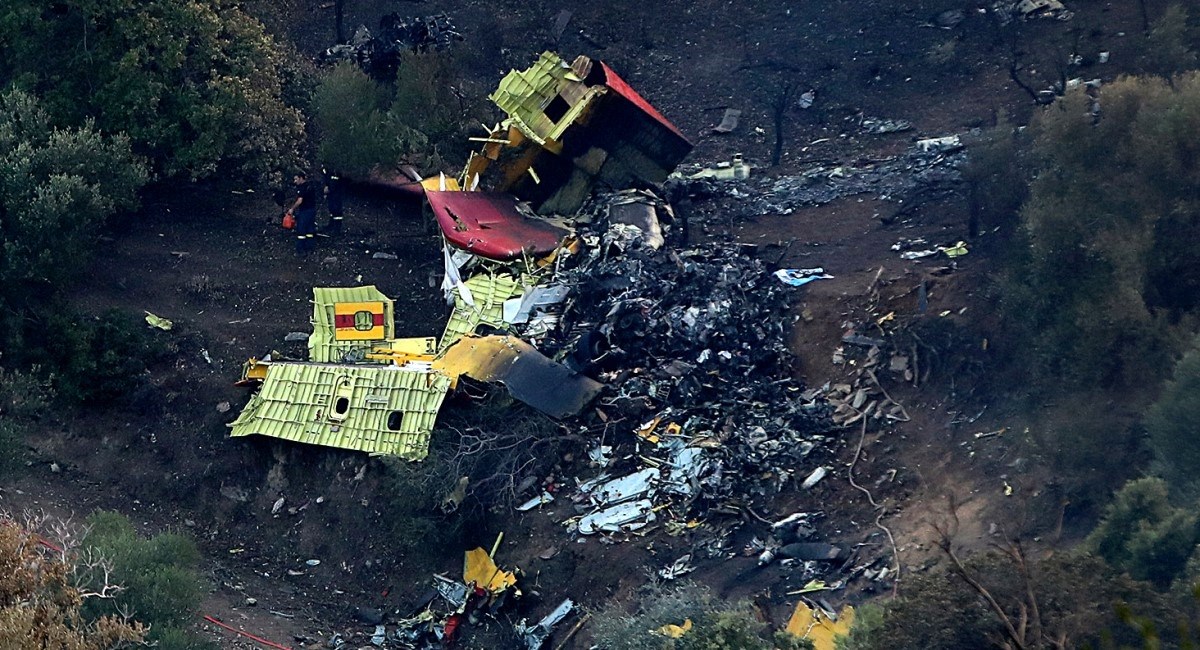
[[814, 478], [539, 500]]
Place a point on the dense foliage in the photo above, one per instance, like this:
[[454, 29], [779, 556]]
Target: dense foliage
[[57, 187], [40, 606], [422, 118], [161, 587], [1063, 601], [194, 84], [1174, 426], [1105, 288], [23, 398]]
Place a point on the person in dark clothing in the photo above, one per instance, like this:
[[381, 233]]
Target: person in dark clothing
[[304, 209], [335, 192]]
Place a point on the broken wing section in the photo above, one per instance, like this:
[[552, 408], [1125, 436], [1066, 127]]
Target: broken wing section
[[377, 409]]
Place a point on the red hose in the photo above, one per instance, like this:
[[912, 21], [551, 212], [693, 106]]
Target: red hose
[[261, 640], [48, 544]]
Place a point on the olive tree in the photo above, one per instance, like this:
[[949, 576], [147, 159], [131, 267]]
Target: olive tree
[[194, 84]]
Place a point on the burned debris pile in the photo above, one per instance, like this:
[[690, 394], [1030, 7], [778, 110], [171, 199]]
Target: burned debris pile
[[696, 338], [930, 168], [670, 361]]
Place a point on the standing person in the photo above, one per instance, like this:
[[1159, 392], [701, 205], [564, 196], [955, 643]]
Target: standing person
[[335, 191], [304, 208]]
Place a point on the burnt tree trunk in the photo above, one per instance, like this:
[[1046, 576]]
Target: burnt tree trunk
[[781, 99], [777, 154], [338, 15]]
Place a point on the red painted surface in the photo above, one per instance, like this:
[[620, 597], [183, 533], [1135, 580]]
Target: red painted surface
[[489, 224], [346, 321], [618, 85]]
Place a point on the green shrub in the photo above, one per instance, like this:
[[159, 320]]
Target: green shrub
[[1187, 583], [1168, 48], [716, 625], [422, 118], [414, 493], [23, 399], [997, 179], [23, 396], [161, 586], [195, 84], [736, 628], [1091, 452], [1099, 246], [357, 132], [658, 605], [864, 634], [1173, 425], [57, 188], [12, 433], [93, 360], [1143, 534], [1077, 598], [430, 97]]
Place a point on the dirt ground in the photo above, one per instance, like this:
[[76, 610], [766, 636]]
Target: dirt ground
[[221, 268]]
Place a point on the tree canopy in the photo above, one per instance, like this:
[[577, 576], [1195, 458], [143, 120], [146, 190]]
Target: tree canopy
[[194, 84], [1105, 287]]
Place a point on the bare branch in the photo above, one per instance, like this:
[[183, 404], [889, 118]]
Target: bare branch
[[94, 576], [946, 543]]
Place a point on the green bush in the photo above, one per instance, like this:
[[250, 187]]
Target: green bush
[[1143, 534], [1187, 583], [357, 132], [23, 396], [868, 622], [1169, 50], [1091, 452], [421, 119], [92, 360], [997, 180], [716, 625], [1099, 246], [12, 433], [413, 493], [161, 586], [195, 84], [431, 98], [658, 605], [736, 628], [1173, 425], [57, 188], [23, 399]]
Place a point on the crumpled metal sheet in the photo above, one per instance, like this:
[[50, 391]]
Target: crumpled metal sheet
[[623, 517], [481, 571], [535, 636], [529, 376]]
